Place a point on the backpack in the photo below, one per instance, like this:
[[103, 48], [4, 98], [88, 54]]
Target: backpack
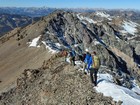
[[65, 53], [96, 62]]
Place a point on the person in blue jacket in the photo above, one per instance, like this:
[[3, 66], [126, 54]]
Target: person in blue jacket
[[89, 63], [86, 61]]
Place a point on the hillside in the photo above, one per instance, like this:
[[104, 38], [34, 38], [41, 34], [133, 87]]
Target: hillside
[[15, 54]]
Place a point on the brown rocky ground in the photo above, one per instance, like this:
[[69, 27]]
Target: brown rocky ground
[[55, 83]]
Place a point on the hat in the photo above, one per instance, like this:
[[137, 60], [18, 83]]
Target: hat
[[94, 52], [87, 50]]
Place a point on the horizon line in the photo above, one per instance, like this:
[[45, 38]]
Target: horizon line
[[69, 7]]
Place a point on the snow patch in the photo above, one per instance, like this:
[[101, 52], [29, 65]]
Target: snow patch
[[129, 27], [49, 33], [87, 50], [96, 43], [123, 32], [58, 44], [130, 38], [83, 19], [50, 49], [135, 88], [108, 88], [77, 45], [14, 18], [34, 42], [118, 39], [103, 14]]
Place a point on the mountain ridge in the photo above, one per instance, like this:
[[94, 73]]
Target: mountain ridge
[[114, 43], [49, 82]]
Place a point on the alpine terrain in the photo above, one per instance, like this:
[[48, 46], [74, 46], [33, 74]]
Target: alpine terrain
[[10, 21], [34, 72]]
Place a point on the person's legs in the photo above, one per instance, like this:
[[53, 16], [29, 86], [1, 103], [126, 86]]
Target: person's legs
[[65, 58], [95, 76], [84, 66], [73, 59], [91, 75]]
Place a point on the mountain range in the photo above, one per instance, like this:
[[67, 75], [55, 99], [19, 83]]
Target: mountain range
[[9, 21], [28, 11], [43, 11], [33, 72]]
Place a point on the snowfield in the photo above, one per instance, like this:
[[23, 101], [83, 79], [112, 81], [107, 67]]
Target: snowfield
[[102, 14], [49, 48], [129, 27], [34, 43], [108, 88], [83, 19]]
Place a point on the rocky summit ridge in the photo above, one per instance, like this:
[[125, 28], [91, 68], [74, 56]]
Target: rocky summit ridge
[[115, 39], [56, 82]]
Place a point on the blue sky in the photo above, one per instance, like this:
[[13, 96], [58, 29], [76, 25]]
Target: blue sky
[[110, 4]]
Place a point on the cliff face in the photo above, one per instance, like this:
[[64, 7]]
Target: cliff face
[[114, 43]]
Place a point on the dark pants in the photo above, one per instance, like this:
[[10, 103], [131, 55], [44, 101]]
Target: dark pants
[[65, 59], [93, 75], [72, 60]]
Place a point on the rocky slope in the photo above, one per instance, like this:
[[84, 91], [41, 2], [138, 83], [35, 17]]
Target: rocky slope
[[56, 82], [116, 41], [97, 31], [16, 55], [80, 32]]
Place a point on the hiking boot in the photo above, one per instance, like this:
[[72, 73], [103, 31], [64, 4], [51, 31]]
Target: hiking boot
[[94, 85], [85, 73]]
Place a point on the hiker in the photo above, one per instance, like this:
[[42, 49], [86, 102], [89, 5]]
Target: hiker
[[93, 66], [83, 57], [72, 55], [65, 54], [86, 60]]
